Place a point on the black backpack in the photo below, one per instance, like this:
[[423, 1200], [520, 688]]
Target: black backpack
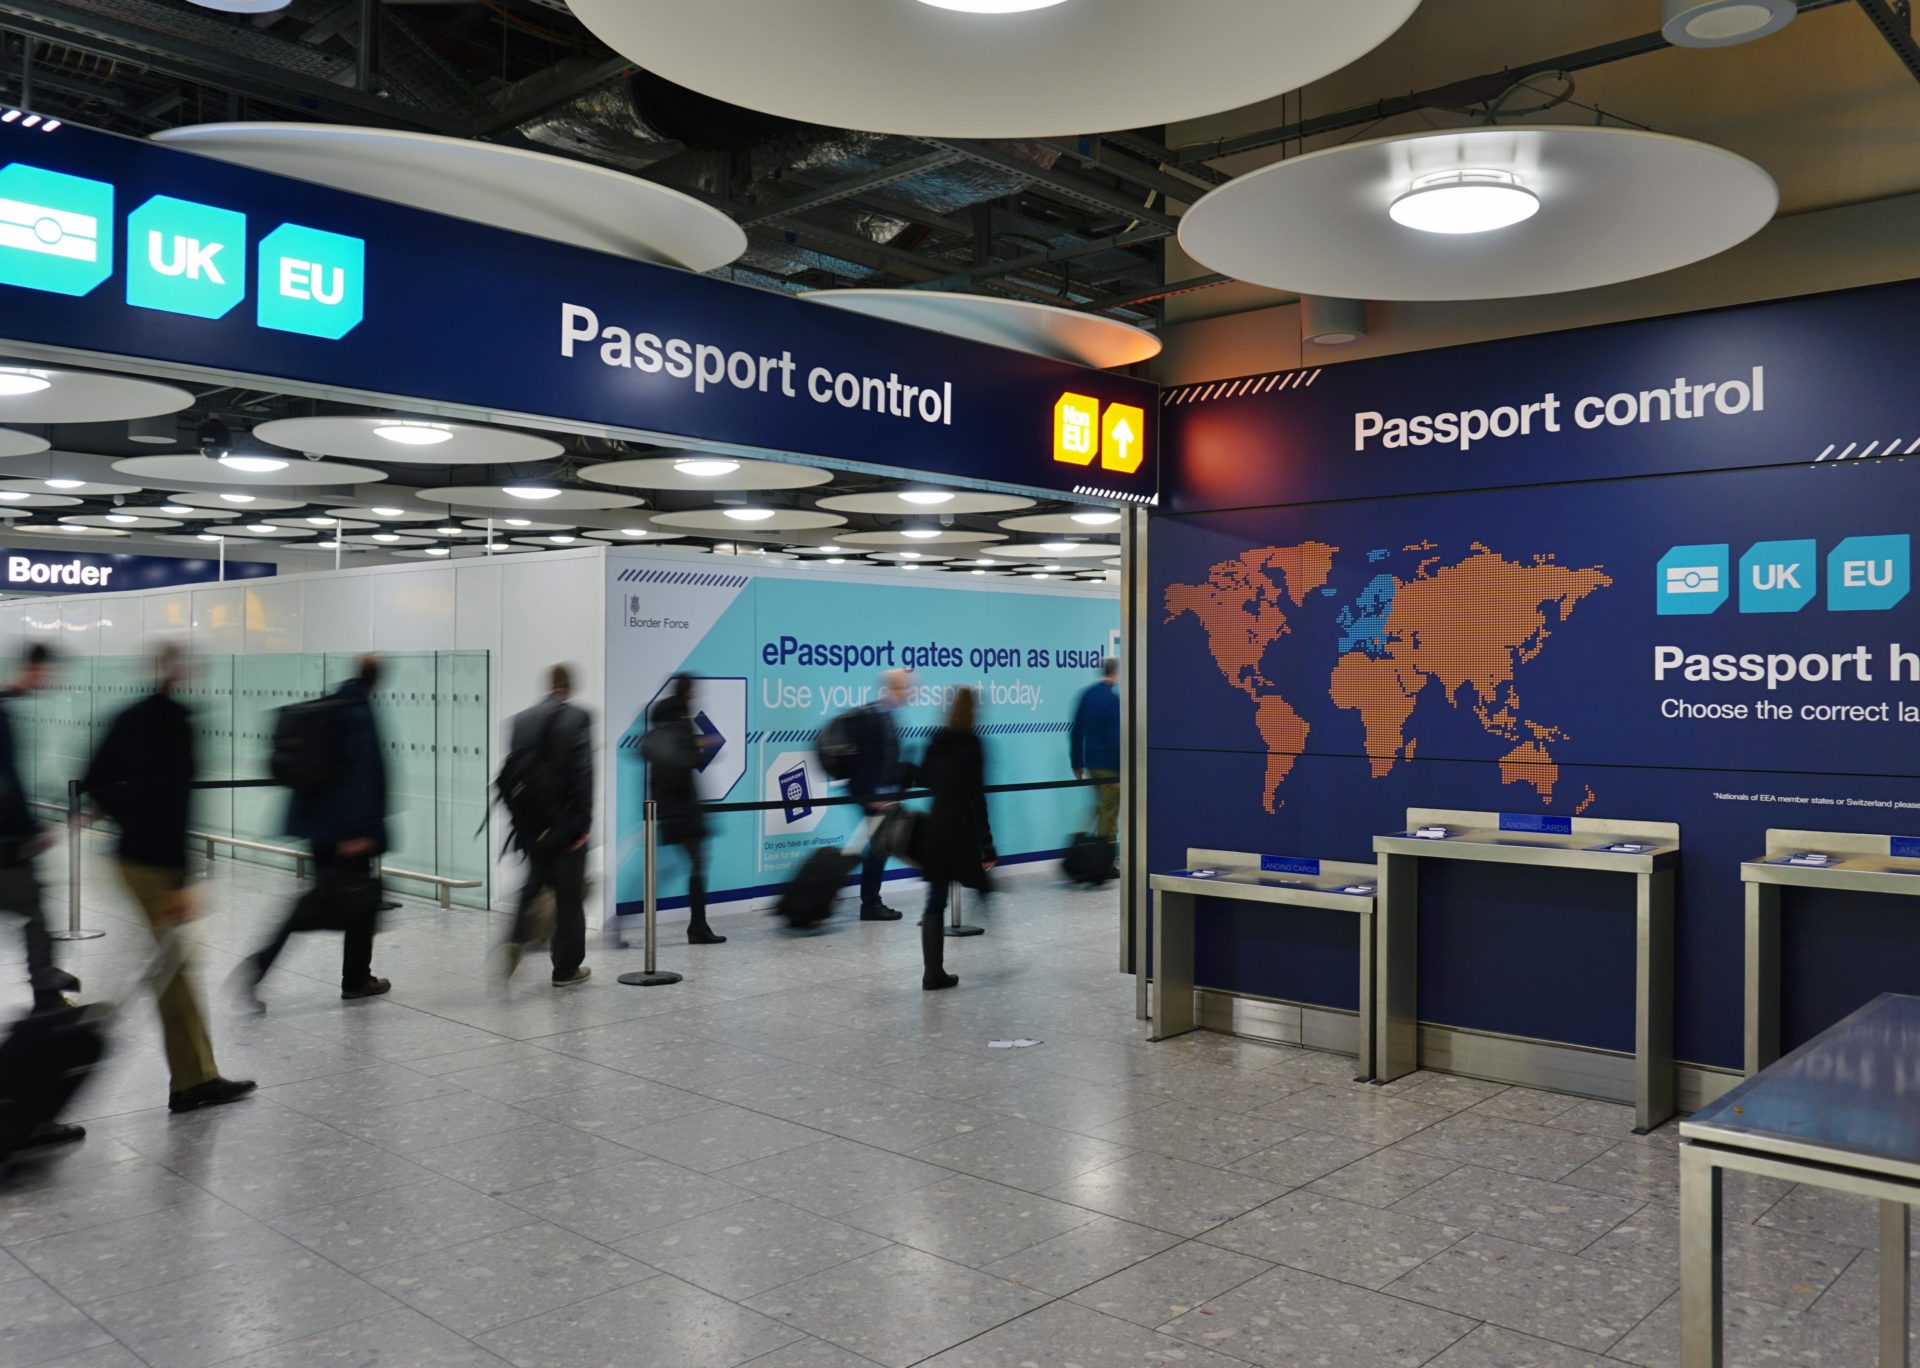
[[525, 787], [306, 745], [837, 747]]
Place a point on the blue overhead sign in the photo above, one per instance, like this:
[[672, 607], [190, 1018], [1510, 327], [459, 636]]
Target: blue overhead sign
[[358, 294], [83, 572]]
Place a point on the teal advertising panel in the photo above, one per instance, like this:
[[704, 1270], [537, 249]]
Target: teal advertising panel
[[777, 655]]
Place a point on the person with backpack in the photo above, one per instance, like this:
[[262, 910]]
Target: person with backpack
[[141, 777], [674, 749], [22, 839], [876, 774], [955, 842], [546, 785], [327, 751]]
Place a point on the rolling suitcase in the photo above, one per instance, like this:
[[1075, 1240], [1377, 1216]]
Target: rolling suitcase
[[808, 899], [1090, 859]]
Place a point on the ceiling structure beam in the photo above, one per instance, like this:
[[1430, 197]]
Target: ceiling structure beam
[[969, 275], [850, 188], [1895, 28], [1064, 184], [537, 94]]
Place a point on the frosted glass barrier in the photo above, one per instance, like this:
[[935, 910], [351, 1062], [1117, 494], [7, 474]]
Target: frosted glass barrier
[[431, 707]]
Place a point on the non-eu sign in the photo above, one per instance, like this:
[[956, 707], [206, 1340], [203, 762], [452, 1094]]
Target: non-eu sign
[[81, 572], [115, 247]]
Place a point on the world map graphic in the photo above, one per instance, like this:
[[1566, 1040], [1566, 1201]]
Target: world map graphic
[[1422, 626]]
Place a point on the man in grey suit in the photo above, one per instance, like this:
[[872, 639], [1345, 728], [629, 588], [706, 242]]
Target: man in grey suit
[[550, 762]]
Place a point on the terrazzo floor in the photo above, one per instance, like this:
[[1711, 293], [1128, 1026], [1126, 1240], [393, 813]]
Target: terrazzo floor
[[797, 1159]]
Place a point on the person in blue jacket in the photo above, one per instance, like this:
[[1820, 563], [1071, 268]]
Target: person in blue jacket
[[345, 823], [1094, 741]]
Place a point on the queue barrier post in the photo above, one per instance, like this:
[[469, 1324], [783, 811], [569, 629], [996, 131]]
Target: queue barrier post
[[74, 931], [956, 927], [652, 976]]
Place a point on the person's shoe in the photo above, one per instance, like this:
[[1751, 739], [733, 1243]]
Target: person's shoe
[[213, 1093], [50, 1133], [933, 983], [58, 981], [244, 983], [580, 975], [877, 911], [704, 935], [372, 987]]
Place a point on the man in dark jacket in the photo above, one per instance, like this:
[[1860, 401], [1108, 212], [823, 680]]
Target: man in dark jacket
[[878, 775], [557, 737], [345, 823], [142, 778], [22, 839], [1094, 742], [675, 749]]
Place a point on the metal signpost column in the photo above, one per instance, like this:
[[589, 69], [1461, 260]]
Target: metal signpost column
[[652, 976], [74, 931]]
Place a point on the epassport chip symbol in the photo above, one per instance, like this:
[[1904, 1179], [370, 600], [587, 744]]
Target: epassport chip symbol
[[56, 230]]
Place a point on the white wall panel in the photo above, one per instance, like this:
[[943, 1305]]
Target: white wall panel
[[79, 627], [275, 614], [167, 614], [219, 620], [336, 613], [123, 626], [412, 610], [476, 624]]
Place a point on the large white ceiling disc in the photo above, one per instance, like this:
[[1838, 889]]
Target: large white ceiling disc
[[923, 503], [317, 525], [295, 471], [412, 441], [69, 529], [76, 488], [703, 470], [242, 502], [513, 527], [1041, 329], [20, 443], [264, 531], [1049, 551], [1087, 521], [502, 187], [1608, 204], [721, 520], [908, 557], [20, 496], [551, 499], [947, 537], [922, 69], [48, 394], [631, 536], [399, 511], [123, 522]]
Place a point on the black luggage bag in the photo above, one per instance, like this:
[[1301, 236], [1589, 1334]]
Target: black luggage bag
[[44, 1059], [1090, 859], [808, 899]]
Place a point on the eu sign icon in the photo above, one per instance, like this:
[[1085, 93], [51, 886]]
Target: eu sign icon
[[1691, 581], [186, 258], [1076, 429], [1867, 573], [1779, 576], [56, 231], [312, 282]]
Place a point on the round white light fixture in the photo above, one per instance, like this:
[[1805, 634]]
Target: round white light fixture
[[1057, 548], [264, 529], [1467, 201], [237, 498], [63, 484], [386, 536], [438, 551], [750, 515], [976, 572], [920, 533], [532, 493], [414, 434], [919, 69], [1609, 204], [122, 518], [836, 560], [388, 512], [633, 531], [15, 382], [1096, 519], [14, 495], [243, 6], [1722, 23], [562, 539], [178, 510], [909, 555], [706, 470], [320, 522], [208, 536], [926, 498], [252, 465]]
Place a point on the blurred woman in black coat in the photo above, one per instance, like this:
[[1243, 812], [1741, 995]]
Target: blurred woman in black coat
[[673, 749], [956, 840]]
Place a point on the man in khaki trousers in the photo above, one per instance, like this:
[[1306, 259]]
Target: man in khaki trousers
[[142, 778]]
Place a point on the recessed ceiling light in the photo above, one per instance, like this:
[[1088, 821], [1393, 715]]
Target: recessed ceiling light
[[518, 522], [909, 555], [413, 434], [977, 6], [1722, 23], [927, 498], [535, 492], [561, 539], [909, 567], [238, 498], [386, 536], [265, 529], [749, 515], [836, 560], [64, 484], [207, 536], [986, 562], [252, 465], [1464, 201], [1056, 569], [438, 551], [328, 545], [920, 533], [13, 495], [976, 572], [122, 518], [15, 382], [177, 510], [633, 531], [72, 527], [1096, 519], [388, 512], [320, 522], [706, 469], [1056, 548], [1040, 576]]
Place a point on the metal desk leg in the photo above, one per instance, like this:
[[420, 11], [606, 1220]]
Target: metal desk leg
[[1396, 1030], [1363, 1052], [1895, 1246], [1700, 1240], [1653, 1001], [1763, 976], [1172, 966]]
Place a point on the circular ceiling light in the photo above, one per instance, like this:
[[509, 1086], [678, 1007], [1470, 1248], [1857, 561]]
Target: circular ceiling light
[[177, 510], [750, 515], [1467, 201], [1613, 204], [122, 518], [386, 536], [909, 555], [706, 470], [388, 512], [243, 6], [1722, 23], [14, 495], [64, 484], [238, 498], [320, 522], [208, 536], [252, 465], [1096, 519], [414, 434], [920, 533], [926, 498], [15, 382], [918, 69], [633, 531], [562, 539], [438, 551], [533, 493]]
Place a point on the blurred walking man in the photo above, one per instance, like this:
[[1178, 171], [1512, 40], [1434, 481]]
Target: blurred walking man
[[546, 784], [878, 776], [22, 839]]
